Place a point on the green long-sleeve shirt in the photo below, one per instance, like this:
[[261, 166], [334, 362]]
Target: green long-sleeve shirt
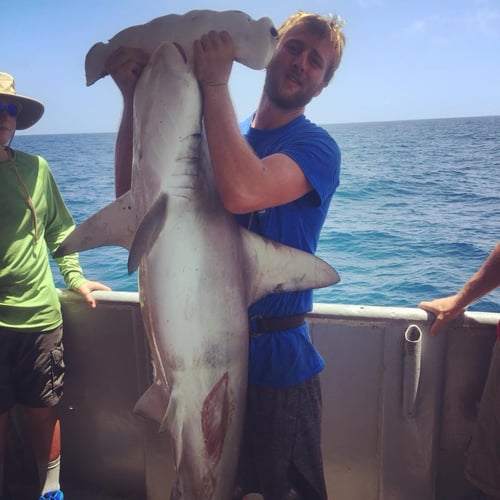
[[33, 219]]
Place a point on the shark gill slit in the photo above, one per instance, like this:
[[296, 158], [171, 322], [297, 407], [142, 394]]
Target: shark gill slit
[[181, 51]]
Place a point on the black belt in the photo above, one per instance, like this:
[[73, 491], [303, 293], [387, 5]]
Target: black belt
[[259, 325]]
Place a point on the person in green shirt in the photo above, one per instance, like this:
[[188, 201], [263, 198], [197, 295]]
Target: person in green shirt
[[34, 222]]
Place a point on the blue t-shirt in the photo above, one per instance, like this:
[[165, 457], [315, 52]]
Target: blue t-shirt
[[284, 358]]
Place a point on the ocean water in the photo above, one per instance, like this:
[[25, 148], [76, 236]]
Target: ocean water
[[416, 213]]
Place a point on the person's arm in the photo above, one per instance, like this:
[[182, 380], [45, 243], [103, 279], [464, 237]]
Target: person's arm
[[125, 66], [486, 279], [124, 151], [59, 225], [245, 182]]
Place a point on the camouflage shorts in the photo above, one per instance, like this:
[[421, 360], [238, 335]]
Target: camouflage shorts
[[31, 368]]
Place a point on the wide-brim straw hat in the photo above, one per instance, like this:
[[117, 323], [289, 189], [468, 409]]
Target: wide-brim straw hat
[[31, 110]]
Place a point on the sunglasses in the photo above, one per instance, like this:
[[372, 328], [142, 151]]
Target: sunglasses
[[11, 108]]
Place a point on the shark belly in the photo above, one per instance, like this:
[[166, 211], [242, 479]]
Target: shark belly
[[200, 338]]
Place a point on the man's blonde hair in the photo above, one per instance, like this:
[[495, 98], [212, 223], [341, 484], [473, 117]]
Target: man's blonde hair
[[324, 27]]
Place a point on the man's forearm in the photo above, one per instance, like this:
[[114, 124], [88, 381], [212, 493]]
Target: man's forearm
[[123, 152], [234, 163], [486, 279]]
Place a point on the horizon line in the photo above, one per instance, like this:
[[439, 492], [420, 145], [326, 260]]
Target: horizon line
[[25, 133]]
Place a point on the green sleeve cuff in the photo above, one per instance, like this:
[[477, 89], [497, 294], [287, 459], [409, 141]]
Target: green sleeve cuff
[[74, 279]]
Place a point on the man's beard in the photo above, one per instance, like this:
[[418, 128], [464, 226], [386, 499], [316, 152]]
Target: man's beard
[[297, 100]]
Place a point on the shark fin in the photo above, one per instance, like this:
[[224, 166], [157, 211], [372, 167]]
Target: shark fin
[[113, 225], [215, 419], [276, 268], [148, 231], [173, 420], [95, 62], [153, 402]]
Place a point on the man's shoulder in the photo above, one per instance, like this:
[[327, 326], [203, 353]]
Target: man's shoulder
[[312, 130], [22, 157], [321, 129], [317, 137]]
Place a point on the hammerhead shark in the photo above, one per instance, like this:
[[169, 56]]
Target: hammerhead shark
[[199, 270]]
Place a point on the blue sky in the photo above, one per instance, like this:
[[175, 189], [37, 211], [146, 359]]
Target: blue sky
[[404, 59]]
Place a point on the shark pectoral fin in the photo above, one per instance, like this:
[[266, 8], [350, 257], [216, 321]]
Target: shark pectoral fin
[[113, 225], [153, 403], [148, 231], [272, 267]]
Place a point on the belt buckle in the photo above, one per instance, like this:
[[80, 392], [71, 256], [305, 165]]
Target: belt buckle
[[253, 325]]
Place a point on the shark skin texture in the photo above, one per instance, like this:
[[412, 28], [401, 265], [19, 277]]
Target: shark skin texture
[[254, 40], [198, 273]]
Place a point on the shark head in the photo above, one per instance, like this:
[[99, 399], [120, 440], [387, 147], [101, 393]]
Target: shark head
[[254, 40]]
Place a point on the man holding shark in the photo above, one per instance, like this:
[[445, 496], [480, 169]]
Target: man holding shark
[[277, 173]]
